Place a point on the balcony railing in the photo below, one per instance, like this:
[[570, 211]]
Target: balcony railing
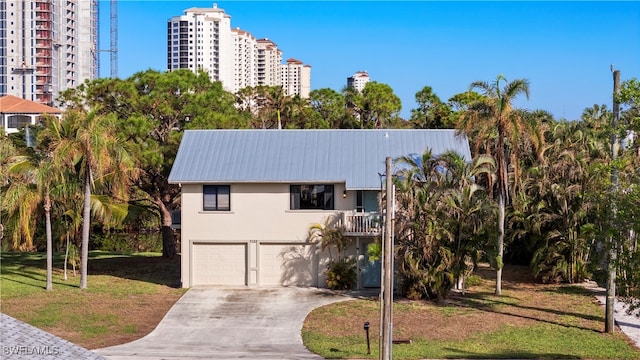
[[361, 223]]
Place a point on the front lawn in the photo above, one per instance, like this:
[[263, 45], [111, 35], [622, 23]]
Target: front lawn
[[530, 321], [126, 296]]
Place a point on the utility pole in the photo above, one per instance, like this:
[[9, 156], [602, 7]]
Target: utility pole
[[611, 281], [387, 281]]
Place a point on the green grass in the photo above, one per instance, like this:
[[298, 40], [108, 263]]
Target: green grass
[[535, 342], [529, 322], [122, 291], [22, 274]]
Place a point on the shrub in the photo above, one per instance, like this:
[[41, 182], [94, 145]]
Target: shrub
[[127, 243], [341, 274]]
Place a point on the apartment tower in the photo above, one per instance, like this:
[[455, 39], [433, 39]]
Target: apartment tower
[[245, 54], [269, 59], [296, 78], [46, 47], [358, 80], [201, 39]]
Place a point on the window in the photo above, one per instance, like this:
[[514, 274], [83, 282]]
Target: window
[[318, 197], [216, 198]]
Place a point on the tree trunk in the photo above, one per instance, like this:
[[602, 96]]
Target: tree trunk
[[47, 216], [168, 238], [168, 242], [66, 258], [499, 261], [86, 227]]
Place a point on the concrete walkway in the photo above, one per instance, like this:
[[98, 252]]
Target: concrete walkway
[[629, 324], [221, 323]]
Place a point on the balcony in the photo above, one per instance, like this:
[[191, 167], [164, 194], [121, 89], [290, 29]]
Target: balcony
[[361, 223]]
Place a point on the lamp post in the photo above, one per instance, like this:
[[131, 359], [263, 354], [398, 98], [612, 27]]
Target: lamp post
[[366, 330]]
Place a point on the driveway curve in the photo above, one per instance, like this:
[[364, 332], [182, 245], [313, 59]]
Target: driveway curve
[[230, 323]]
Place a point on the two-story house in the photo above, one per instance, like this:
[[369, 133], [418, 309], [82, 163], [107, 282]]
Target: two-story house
[[249, 198]]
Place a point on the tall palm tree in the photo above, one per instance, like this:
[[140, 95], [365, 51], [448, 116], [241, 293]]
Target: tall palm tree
[[35, 175], [88, 143], [6, 150], [502, 128]]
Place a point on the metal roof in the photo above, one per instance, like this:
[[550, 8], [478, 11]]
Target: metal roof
[[355, 157]]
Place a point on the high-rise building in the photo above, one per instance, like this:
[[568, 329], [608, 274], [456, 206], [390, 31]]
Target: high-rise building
[[47, 46], [358, 80], [269, 59], [296, 78], [202, 39], [245, 54]]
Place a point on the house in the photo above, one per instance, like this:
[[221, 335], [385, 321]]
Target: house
[[15, 113], [249, 198]]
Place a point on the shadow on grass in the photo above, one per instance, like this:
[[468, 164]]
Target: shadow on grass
[[152, 269], [13, 276], [483, 302], [508, 355]]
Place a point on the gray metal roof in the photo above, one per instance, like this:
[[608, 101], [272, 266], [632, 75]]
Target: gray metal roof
[[355, 157]]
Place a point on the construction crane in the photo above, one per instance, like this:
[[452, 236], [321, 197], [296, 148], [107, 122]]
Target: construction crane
[[113, 48], [114, 39]]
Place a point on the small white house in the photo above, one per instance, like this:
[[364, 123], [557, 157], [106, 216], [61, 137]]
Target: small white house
[[249, 198], [16, 113]]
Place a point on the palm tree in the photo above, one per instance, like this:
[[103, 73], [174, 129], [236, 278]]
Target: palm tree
[[424, 257], [6, 150], [88, 144], [329, 234], [34, 176], [494, 114], [466, 208], [567, 177]]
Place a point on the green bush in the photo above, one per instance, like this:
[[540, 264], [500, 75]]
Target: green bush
[[472, 280], [341, 274], [127, 243]]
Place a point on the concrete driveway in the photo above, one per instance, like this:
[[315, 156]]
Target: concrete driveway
[[223, 323]]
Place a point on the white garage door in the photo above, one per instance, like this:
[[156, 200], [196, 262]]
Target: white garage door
[[288, 265], [218, 264]]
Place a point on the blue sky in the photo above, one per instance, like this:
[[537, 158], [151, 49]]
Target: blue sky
[[563, 48]]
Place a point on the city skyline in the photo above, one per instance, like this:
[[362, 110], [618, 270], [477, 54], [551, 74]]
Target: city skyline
[[203, 39], [563, 48]]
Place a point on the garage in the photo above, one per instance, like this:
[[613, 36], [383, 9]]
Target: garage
[[287, 265], [218, 264]]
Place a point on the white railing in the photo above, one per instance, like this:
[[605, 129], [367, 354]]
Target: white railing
[[362, 223]]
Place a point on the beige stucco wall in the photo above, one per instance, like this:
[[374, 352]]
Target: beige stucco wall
[[259, 214]]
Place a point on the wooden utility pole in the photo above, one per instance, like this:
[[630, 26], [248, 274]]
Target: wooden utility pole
[[611, 281], [387, 281]]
